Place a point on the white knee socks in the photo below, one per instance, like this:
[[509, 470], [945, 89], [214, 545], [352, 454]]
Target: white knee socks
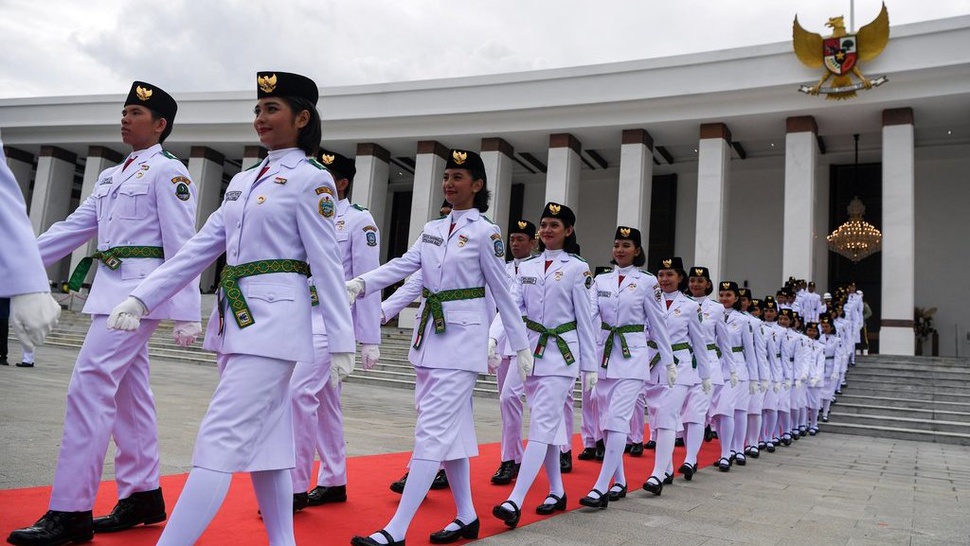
[[274, 491], [459, 479], [420, 476], [612, 461], [200, 500]]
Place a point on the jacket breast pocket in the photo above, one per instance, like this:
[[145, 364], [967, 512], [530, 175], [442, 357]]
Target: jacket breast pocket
[[100, 196], [137, 268], [133, 201], [466, 319], [270, 292]]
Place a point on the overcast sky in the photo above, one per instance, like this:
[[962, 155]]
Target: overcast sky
[[76, 47]]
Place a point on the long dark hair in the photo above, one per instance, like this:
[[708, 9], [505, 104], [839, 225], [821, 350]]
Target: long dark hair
[[311, 134], [483, 195]]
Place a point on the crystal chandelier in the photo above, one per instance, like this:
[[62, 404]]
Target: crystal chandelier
[[856, 239]]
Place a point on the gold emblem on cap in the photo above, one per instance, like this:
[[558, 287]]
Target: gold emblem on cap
[[698, 272], [625, 231], [143, 93], [554, 208], [459, 157], [668, 262], [522, 224], [266, 83], [725, 285], [327, 159]]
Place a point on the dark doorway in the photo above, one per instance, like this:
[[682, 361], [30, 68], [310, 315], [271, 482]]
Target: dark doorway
[[845, 183], [397, 234], [663, 218]]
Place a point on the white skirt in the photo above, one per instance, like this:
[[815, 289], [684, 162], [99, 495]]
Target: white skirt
[[616, 400], [445, 429], [546, 396]]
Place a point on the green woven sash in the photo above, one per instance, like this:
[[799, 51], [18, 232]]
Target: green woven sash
[[112, 259], [618, 331], [715, 348], [229, 284], [684, 347], [545, 333], [434, 309]]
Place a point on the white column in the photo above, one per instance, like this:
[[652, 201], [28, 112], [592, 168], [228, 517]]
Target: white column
[[99, 158], [801, 158], [21, 163], [636, 182], [562, 176], [426, 194], [206, 167], [497, 156], [896, 335], [51, 200], [713, 178], [370, 182]]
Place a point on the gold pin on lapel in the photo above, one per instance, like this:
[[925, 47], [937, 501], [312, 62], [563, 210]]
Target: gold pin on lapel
[[260, 200]]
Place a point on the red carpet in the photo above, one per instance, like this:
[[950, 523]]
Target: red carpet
[[370, 503]]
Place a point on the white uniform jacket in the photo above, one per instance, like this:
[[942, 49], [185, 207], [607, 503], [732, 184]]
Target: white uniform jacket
[[634, 302], [760, 348], [742, 344], [469, 257], [804, 357], [684, 317], [789, 345], [833, 345], [716, 335], [20, 265], [152, 203], [360, 249], [287, 213], [773, 335]]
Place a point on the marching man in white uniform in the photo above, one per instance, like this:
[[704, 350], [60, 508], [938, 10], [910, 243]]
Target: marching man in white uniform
[[141, 212]]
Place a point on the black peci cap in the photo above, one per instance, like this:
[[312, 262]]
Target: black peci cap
[[153, 98], [285, 84], [524, 227], [464, 159], [338, 164], [629, 234], [561, 212]]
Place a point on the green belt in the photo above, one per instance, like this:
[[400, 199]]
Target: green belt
[[675, 347], [618, 331], [556, 332], [229, 284], [737, 349], [433, 307], [830, 358], [715, 348], [112, 259]]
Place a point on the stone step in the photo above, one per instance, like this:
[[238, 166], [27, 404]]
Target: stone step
[[896, 432], [954, 374], [875, 409], [932, 392], [904, 402], [914, 423], [914, 361]]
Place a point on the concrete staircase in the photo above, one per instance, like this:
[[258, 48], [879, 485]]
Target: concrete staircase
[[912, 398]]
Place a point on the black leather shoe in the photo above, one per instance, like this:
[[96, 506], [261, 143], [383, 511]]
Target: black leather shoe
[[445, 536], [688, 471], [650, 445], [754, 453], [600, 450], [587, 454], [668, 479], [509, 517], [636, 450], [770, 447], [812, 431], [324, 494], [740, 459], [724, 464], [300, 501], [617, 492], [627, 448], [368, 541], [566, 462], [506, 472], [3, 362], [679, 442], [144, 507], [825, 418], [602, 501], [546, 509], [440, 480], [54, 529], [654, 485], [708, 434], [786, 440], [398, 486], [24, 364], [762, 445]]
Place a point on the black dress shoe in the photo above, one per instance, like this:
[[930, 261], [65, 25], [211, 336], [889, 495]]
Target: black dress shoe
[[506, 472], [398, 486], [786, 440], [654, 485], [770, 447], [627, 448], [825, 418], [762, 445], [300, 501], [668, 479], [708, 433], [3, 362], [741, 460], [368, 541], [714, 435], [440, 480], [510, 517], [24, 364], [566, 462], [445, 536], [546, 509], [650, 445], [688, 470], [54, 529], [600, 450], [724, 464], [144, 507], [679, 442], [602, 501], [324, 494], [587, 454], [617, 492], [636, 450], [754, 453]]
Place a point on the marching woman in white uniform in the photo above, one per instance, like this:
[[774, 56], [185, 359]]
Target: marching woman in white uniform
[[830, 375], [774, 396], [741, 343], [788, 344], [626, 302], [683, 319], [458, 256], [813, 399], [552, 292], [760, 380], [276, 223]]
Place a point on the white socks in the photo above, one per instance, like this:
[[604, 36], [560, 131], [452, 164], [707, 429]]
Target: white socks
[[612, 461], [725, 434], [664, 454], [537, 454], [420, 476], [274, 491], [200, 500], [459, 479], [740, 430], [693, 436]]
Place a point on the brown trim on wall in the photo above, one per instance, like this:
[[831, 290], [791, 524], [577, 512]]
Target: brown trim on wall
[[801, 124], [206, 152], [374, 150], [256, 152], [897, 116], [715, 130], [105, 153], [637, 136], [565, 140], [18, 154], [496, 144], [432, 147], [58, 153], [896, 323]]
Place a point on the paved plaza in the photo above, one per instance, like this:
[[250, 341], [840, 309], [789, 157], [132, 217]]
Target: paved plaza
[[831, 489]]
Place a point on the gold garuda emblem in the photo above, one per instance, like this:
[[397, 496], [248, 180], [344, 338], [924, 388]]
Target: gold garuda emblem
[[725, 285], [459, 157], [841, 54], [668, 262], [327, 158], [266, 83], [522, 224], [698, 272], [625, 231], [143, 93], [554, 208]]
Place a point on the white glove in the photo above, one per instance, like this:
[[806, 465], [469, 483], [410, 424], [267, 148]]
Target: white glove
[[526, 361], [341, 365], [33, 316], [813, 382], [185, 333], [494, 359], [589, 380], [127, 315], [734, 379], [354, 288], [706, 385], [369, 354], [764, 385], [776, 386], [834, 376], [383, 318], [752, 387], [798, 383], [788, 385], [671, 374]]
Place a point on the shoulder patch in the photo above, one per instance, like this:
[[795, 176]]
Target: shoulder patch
[[317, 164], [578, 257], [589, 279], [358, 207], [169, 155], [324, 189], [181, 179]]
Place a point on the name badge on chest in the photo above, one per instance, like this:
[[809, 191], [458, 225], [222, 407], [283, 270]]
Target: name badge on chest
[[528, 280], [431, 239], [233, 195], [603, 293]]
